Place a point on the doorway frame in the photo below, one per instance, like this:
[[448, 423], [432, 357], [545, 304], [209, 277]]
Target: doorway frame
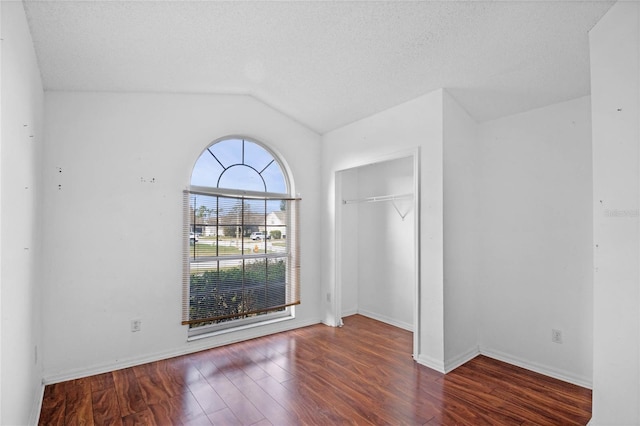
[[414, 154]]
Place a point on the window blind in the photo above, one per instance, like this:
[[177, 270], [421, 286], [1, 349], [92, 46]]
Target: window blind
[[241, 257]]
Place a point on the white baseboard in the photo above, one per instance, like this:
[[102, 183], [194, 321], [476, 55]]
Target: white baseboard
[[349, 312], [193, 346], [432, 363], [585, 382], [385, 319], [34, 417], [449, 366], [463, 358]]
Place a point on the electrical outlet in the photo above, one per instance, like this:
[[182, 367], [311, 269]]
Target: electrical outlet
[[556, 336], [136, 324]]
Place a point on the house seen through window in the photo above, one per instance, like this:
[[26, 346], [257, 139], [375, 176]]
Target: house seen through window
[[241, 262]]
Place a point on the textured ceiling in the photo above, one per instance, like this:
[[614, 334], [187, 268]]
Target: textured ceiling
[[325, 63]]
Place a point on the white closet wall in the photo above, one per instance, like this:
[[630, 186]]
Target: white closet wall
[[348, 240], [377, 252]]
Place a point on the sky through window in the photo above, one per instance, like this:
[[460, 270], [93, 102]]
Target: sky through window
[[239, 164]]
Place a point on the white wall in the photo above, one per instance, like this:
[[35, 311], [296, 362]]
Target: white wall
[[461, 234], [615, 90], [115, 167], [417, 123], [536, 274], [22, 143], [348, 239]]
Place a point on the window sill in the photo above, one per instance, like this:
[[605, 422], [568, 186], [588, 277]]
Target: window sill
[[214, 333]]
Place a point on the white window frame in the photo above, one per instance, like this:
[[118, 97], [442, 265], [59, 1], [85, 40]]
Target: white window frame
[[264, 319]]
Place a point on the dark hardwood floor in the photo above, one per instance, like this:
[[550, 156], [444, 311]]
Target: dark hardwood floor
[[362, 373]]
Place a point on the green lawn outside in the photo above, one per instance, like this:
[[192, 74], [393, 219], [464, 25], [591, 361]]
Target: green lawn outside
[[206, 247]]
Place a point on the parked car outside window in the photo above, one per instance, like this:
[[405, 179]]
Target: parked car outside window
[[259, 236]]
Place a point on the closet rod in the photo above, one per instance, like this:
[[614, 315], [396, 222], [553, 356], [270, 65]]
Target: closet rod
[[379, 198]]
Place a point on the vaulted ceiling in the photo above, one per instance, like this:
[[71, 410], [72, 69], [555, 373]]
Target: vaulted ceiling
[[323, 63]]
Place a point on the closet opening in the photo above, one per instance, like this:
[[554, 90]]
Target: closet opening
[[377, 242]]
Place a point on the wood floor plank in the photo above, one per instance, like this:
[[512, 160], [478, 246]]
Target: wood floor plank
[[513, 371], [79, 409], [246, 362], [294, 364], [542, 412], [306, 408], [314, 403], [224, 417], [53, 405], [182, 372], [267, 405], [180, 409], [141, 418], [362, 373], [358, 390], [130, 398], [198, 421], [101, 382], [456, 409], [258, 367], [155, 388], [106, 410], [278, 392], [529, 389], [207, 397], [235, 400]]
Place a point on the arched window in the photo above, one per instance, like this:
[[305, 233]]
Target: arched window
[[241, 257]]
